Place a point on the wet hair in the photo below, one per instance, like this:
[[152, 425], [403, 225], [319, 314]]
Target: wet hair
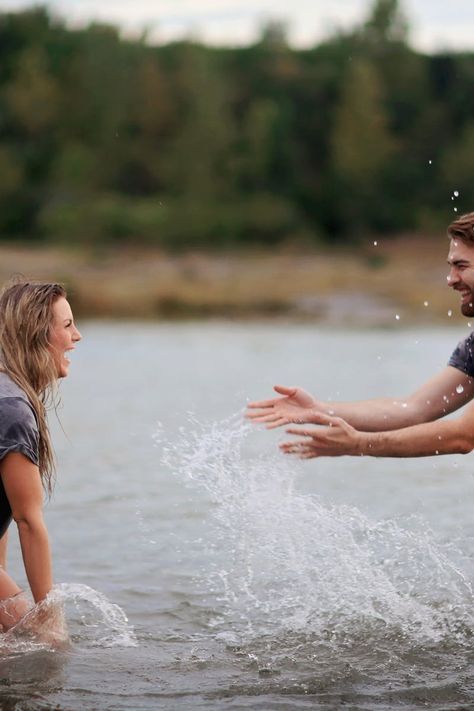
[[462, 228], [26, 317]]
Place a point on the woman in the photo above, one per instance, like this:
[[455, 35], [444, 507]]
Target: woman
[[36, 331]]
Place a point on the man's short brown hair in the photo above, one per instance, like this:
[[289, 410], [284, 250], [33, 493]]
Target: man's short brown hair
[[462, 228]]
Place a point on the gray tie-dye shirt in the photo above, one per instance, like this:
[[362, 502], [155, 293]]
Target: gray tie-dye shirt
[[18, 433], [463, 356]]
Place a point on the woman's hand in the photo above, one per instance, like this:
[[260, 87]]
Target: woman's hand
[[45, 623], [295, 405], [334, 438]]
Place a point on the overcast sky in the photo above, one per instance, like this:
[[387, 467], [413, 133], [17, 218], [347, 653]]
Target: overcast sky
[[435, 24]]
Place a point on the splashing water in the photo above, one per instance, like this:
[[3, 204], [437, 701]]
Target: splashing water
[[71, 614], [94, 621], [287, 562]]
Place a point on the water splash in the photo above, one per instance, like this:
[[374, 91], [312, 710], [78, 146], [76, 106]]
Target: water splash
[[288, 562], [73, 615], [94, 621]]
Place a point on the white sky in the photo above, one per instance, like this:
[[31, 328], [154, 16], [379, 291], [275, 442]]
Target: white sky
[[435, 24]]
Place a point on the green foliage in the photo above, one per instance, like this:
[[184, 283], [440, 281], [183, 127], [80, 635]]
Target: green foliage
[[174, 224], [104, 139], [386, 23]]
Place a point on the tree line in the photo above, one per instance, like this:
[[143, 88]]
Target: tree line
[[107, 140]]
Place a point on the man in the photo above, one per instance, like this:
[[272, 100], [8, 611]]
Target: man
[[384, 427]]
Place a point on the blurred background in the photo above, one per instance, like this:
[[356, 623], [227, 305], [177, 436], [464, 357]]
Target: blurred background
[[237, 159]]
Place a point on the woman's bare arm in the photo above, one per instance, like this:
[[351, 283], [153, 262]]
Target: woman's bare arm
[[23, 488]]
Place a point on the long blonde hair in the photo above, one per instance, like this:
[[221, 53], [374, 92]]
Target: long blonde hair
[[26, 316]]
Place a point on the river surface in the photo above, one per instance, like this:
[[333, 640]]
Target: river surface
[[201, 569]]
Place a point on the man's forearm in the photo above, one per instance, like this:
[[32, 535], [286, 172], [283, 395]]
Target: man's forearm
[[446, 392], [376, 415], [425, 440]]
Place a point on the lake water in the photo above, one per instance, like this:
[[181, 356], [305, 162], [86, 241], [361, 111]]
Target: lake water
[[202, 570]]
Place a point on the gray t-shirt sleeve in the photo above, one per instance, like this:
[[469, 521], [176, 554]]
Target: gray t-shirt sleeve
[[462, 357], [18, 429]]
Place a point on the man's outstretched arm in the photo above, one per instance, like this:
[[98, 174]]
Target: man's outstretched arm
[[335, 437], [444, 393]]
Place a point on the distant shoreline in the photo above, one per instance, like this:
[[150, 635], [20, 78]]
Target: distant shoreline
[[371, 285]]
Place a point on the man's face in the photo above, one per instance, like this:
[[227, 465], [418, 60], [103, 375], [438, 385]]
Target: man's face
[[461, 273]]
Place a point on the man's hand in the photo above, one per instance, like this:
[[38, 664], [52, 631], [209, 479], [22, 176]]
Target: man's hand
[[334, 438], [295, 405]]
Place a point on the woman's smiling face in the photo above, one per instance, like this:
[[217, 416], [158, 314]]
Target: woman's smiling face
[[63, 335]]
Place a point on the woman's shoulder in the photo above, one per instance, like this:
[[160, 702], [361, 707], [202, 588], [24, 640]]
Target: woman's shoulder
[[18, 426], [14, 404], [8, 387]]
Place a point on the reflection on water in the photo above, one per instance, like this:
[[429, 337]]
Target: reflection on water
[[30, 675]]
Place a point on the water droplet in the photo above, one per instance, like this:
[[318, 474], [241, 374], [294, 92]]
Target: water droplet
[[460, 389], [455, 209], [375, 243], [450, 313], [430, 162], [456, 193], [426, 303], [404, 404], [397, 316]]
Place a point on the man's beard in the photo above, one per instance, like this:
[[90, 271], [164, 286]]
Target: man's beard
[[467, 309]]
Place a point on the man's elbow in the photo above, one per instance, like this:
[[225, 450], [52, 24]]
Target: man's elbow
[[464, 445]]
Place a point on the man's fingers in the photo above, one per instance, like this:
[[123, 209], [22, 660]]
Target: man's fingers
[[263, 403], [300, 450], [293, 446], [319, 418], [261, 417], [278, 423], [258, 414], [302, 432]]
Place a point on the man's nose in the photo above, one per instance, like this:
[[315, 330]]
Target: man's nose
[[452, 277]]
